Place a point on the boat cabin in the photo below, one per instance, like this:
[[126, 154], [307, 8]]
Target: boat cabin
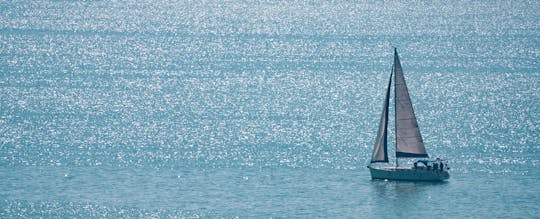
[[437, 164]]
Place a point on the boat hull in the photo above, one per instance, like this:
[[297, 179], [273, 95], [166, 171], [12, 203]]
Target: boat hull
[[408, 174]]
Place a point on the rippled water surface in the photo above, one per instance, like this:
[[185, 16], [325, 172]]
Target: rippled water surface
[[263, 109]]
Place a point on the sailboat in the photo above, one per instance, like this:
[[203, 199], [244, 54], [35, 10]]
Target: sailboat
[[409, 143]]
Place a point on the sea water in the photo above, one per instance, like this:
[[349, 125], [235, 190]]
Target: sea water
[[263, 108]]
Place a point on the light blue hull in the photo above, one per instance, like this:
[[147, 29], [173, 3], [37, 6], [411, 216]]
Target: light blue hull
[[407, 173]]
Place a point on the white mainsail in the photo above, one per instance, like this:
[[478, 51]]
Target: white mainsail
[[409, 141]]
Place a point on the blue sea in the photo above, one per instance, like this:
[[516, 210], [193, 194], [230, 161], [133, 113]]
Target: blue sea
[[263, 109]]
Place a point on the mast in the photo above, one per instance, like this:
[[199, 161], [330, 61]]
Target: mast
[[395, 102]]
